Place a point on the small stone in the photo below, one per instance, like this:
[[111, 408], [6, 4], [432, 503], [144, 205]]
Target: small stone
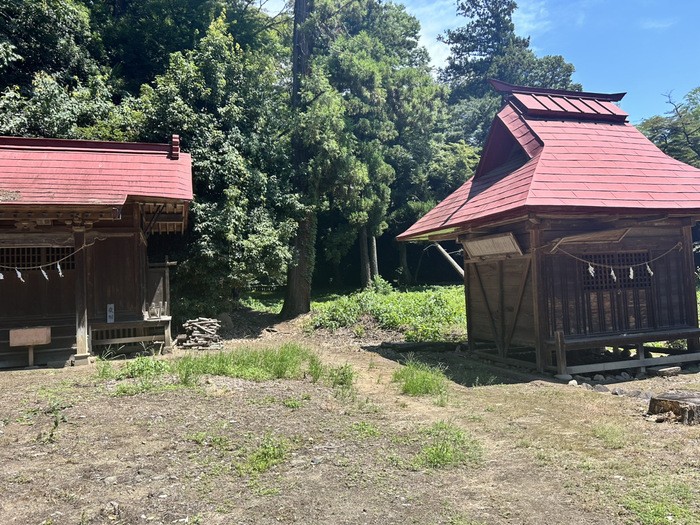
[[625, 376], [647, 394], [634, 393], [602, 389], [599, 378], [110, 480], [587, 386], [573, 382], [610, 379], [581, 379], [640, 376], [619, 391], [563, 377], [665, 371]]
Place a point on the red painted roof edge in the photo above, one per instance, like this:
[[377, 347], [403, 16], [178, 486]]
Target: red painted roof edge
[[504, 87], [88, 145]]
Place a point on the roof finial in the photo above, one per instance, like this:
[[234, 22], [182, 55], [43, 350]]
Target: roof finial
[[175, 147]]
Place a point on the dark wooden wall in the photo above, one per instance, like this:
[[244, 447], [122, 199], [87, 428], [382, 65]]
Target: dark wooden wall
[[116, 276]]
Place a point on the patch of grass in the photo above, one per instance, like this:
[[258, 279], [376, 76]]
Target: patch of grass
[[292, 403], [342, 376], [656, 505], [143, 367], [364, 430], [447, 446], [613, 437], [256, 365], [423, 314], [316, 369], [270, 302], [418, 379], [342, 379], [188, 370], [271, 451]]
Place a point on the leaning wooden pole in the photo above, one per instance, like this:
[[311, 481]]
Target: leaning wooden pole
[[447, 256]]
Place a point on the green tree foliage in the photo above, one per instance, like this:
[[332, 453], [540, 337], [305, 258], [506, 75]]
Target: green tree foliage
[[678, 132], [48, 36], [487, 47], [367, 114], [237, 238]]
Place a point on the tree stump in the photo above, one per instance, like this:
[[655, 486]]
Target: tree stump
[[685, 404]]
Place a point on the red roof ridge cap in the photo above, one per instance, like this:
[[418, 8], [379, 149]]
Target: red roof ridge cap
[[78, 145], [504, 87]]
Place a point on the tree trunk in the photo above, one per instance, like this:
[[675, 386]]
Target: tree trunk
[[373, 264], [365, 276], [297, 299], [406, 277]]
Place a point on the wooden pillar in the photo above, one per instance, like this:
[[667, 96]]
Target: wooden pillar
[[689, 285], [468, 301], [543, 356], [501, 310], [81, 304]]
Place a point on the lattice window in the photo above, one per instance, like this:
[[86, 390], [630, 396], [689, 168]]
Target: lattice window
[[66, 256], [24, 257], [620, 263]]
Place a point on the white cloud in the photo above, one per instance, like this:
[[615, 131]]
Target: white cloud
[[656, 23], [531, 18]]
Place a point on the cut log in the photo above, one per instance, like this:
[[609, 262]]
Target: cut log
[[685, 404]]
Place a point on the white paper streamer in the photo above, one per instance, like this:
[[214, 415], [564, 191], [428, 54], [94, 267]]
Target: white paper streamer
[[612, 273], [19, 275]]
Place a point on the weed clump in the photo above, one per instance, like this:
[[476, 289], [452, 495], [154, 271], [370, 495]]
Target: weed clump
[[419, 379], [447, 446]]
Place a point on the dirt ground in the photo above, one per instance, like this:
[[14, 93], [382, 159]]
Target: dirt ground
[[73, 453]]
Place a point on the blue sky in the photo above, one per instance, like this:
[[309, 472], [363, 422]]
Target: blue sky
[[647, 48]]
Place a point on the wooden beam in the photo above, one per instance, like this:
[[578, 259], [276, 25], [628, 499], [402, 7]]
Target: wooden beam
[[516, 313], [492, 321], [542, 353], [81, 304], [633, 363], [468, 299], [37, 239], [449, 258], [689, 285], [561, 351]]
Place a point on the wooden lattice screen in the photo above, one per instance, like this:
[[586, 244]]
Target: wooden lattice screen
[[31, 257], [581, 303]]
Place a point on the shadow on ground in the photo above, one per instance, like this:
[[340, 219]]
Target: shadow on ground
[[459, 366]]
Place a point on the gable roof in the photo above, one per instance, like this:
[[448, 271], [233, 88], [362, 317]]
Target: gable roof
[[80, 172], [562, 150]]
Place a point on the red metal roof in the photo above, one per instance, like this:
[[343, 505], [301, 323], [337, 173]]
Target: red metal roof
[[79, 172], [568, 161]]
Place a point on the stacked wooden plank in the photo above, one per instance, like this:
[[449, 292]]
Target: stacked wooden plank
[[201, 333]]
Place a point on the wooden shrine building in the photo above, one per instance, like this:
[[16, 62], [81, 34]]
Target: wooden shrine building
[[75, 217], [577, 238]]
